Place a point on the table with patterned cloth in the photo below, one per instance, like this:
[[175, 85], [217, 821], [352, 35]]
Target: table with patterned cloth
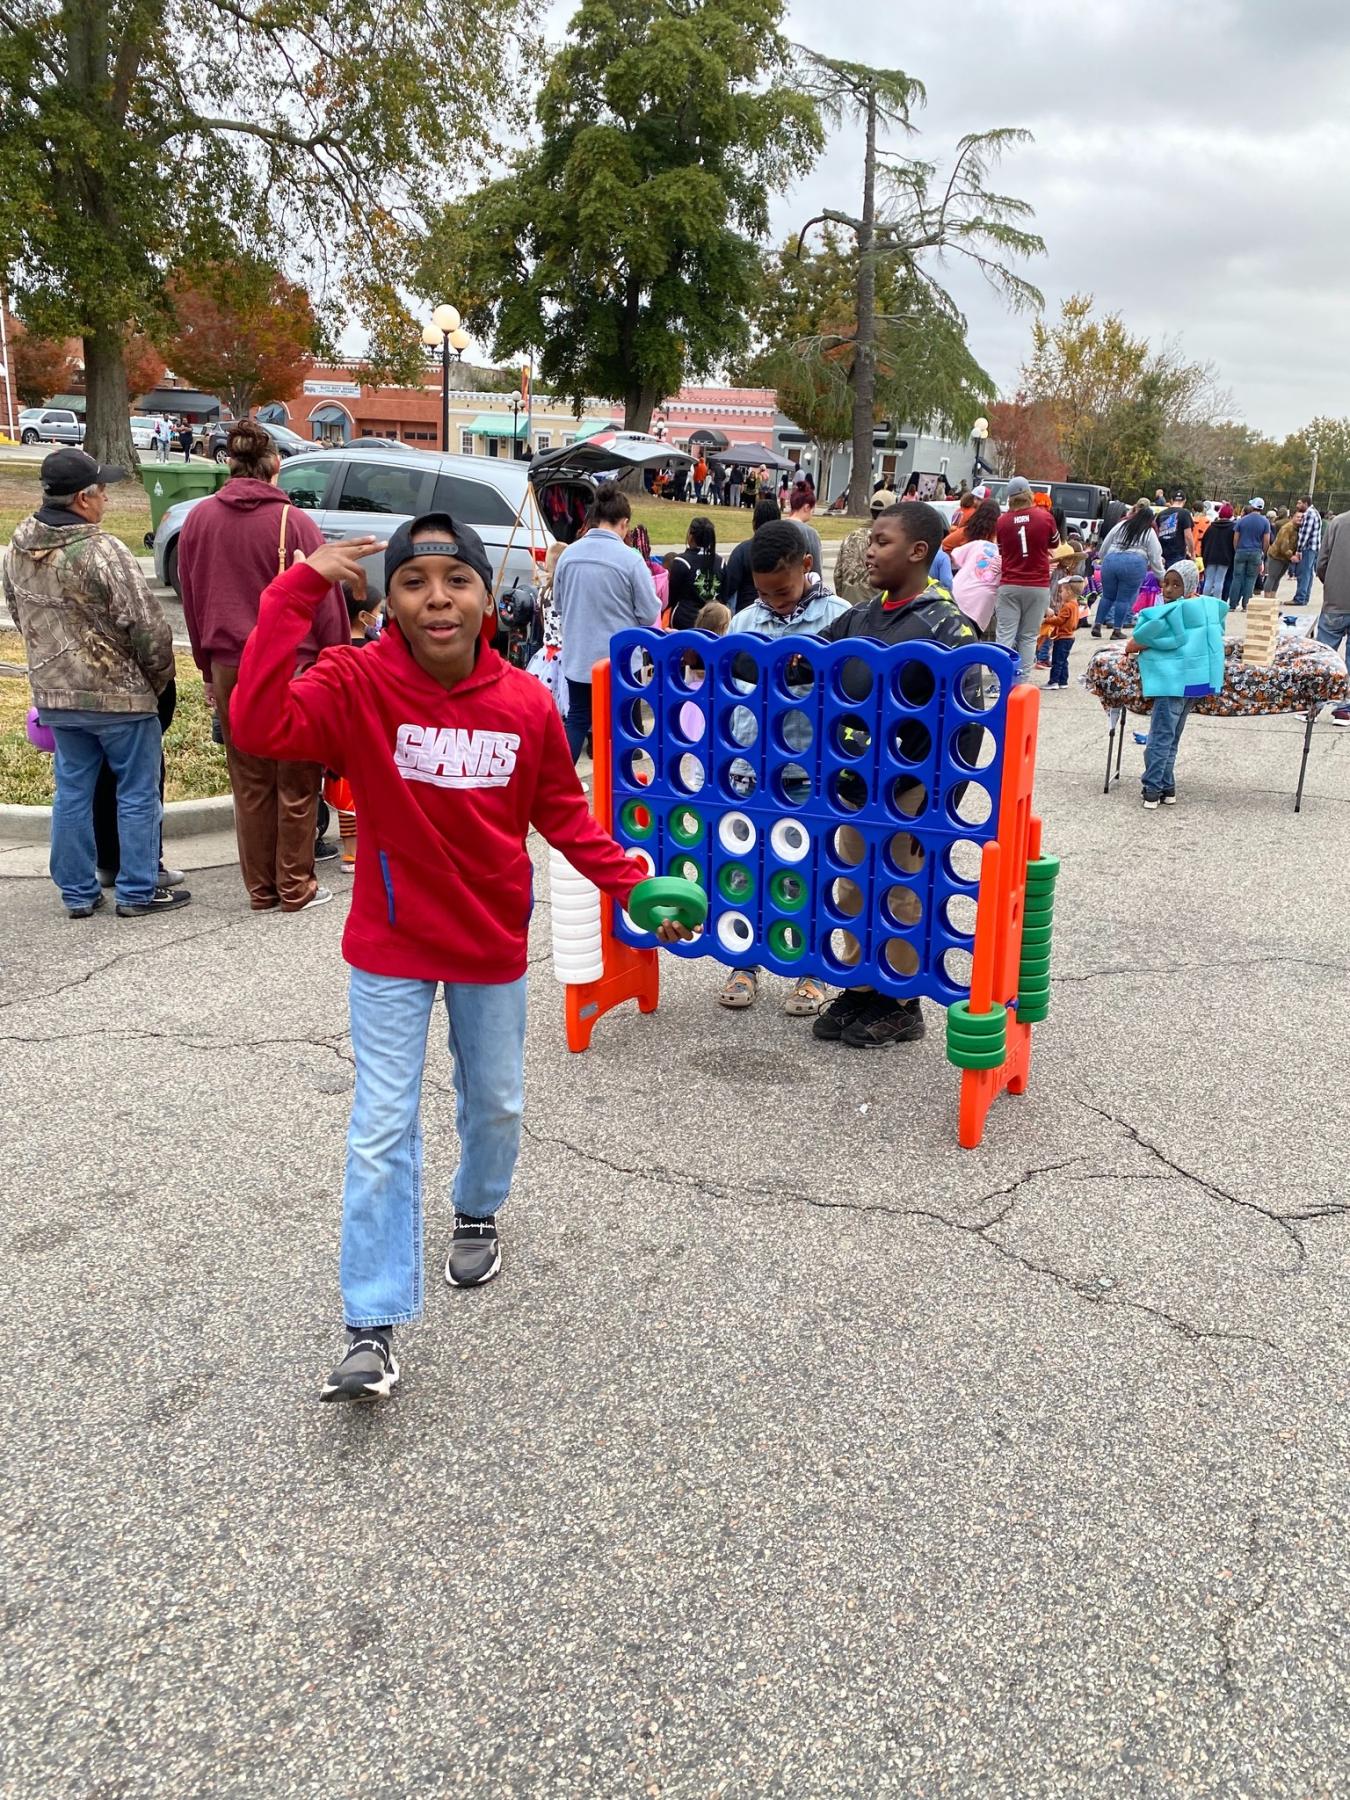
[[1304, 677]]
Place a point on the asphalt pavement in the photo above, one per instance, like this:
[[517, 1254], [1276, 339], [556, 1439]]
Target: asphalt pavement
[[795, 1451]]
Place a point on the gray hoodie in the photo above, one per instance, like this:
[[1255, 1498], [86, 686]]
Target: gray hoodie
[[1333, 565]]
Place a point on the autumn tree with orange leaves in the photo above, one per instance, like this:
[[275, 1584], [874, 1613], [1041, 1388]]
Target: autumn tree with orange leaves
[[241, 331]]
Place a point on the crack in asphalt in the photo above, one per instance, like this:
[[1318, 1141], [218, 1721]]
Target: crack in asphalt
[[1083, 1288], [1283, 1222], [130, 954], [1245, 962], [1259, 1558]]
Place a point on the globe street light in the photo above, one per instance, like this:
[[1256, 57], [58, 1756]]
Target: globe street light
[[979, 432], [518, 405], [444, 329]]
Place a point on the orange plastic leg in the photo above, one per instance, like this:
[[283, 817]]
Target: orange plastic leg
[[629, 974], [998, 918]]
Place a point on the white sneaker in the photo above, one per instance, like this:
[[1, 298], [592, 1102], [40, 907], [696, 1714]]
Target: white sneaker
[[320, 897]]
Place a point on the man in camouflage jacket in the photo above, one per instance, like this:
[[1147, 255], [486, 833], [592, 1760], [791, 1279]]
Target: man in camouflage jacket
[[100, 651]]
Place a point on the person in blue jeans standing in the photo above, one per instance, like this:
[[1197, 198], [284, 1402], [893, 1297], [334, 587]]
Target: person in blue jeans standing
[[100, 653], [1127, 552], [1181, 659], [1250, 544], [1309, 548]]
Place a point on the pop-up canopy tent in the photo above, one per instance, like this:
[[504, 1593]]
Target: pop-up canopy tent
[[751, 456]]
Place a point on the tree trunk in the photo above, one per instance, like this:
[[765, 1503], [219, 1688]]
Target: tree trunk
[[107, 435], [864, 356], [638, 406]]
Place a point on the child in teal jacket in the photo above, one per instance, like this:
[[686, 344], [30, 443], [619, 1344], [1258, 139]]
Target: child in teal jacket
[[1180, 649]]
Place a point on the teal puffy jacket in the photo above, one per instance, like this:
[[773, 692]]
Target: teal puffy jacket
[[1181, 647]]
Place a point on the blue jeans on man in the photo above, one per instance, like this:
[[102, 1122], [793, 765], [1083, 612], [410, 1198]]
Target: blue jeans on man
[[1333, 629], [1166, 724], [381, 1265], [131, 744], [1305, 569], [1246, 570]]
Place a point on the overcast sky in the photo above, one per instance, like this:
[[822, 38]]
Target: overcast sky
[[1191, 169]]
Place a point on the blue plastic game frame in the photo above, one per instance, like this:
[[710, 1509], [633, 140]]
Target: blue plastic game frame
[[815, 789]]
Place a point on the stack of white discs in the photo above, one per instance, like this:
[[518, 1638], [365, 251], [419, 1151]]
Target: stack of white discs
[[578, 954]]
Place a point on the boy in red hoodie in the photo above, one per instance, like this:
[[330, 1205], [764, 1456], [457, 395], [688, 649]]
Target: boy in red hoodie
[[452, 755]]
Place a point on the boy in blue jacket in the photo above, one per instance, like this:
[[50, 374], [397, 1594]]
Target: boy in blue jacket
[[1180, 649]]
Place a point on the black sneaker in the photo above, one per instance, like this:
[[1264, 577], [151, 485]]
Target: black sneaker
[[475, 1252], [324, 850], [1168, 796], [86, 912], [830, 1022], [884, 1023], [1096, 631], [368, 1371], [165, 900]]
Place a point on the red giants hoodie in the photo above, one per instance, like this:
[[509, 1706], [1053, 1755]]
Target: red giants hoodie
[[447, 782]]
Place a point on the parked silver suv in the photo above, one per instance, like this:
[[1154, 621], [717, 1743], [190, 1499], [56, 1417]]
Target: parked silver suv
[[517, 508]]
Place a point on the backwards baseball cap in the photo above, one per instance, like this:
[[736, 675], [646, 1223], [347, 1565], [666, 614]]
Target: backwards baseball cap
[[71, 471], [1018, 485], [459, 541], [1257, 503]]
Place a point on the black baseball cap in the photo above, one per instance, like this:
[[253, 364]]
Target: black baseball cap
[[459, 541], [71, 471]]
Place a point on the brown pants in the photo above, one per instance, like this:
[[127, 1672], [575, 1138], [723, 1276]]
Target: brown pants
[[275, 808]]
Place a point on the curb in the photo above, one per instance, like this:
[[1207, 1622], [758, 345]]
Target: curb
[[182, 818]]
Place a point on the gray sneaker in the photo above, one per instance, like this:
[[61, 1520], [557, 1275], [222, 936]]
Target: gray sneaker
[[368, 1371], [475, 1251]]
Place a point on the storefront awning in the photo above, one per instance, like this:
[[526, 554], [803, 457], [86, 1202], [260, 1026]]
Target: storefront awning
[[588, 428], [500, 425]]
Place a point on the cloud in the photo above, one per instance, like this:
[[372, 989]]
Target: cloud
[[1187, 171]]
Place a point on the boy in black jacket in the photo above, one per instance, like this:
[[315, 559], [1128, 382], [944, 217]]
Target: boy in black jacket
[[905, 539]]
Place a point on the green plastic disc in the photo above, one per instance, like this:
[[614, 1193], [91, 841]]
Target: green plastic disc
[[787, 940], [989, 1024], [789, 890], [664, 897], [686, 826], [1038, 907], [976, 1059], [1045, 868], [1033, 1015], [1037, 934], [637, 819], [736, 883]]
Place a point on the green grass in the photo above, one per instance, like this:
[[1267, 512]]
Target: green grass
[[127, 517], [195, 766]]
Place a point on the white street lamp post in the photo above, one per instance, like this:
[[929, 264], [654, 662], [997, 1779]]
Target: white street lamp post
[[444, 329]]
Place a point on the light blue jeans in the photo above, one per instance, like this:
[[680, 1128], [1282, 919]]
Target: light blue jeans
[[1215, 575], [1246, 569], [132, 744], [381, 1265], [1167, 721], [1123, 573]]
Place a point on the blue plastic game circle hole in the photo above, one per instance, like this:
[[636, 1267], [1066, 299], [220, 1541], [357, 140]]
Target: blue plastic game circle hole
[[972, 747], [852, 737], [792, 784], [641, 718], [915, 684], [740, 725], [970, 803], [688, 671], [794, 731], [964, 858], [911, 741], [902, 906], [688, 723], [842, 951], [690, 774], [848, 790], [907, 797], [853, 680], [956, 967], [637, 768], [905, 855], [794, 677], [740, 675], [978, 689], [739, 779], [848, 847], [901, 958], [845, 898], [640, 668], [959, 914]]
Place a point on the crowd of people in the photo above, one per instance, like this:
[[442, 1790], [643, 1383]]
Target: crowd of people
[[443, 754]]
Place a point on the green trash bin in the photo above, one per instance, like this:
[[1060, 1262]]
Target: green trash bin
[[168, 483]]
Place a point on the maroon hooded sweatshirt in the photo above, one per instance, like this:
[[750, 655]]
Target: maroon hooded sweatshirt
[[228, 552]]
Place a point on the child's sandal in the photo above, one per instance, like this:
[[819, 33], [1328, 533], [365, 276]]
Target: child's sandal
[[805, 999], [739, 990]]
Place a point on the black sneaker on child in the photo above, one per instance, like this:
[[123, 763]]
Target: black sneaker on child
[[830, 1022], [885, 1022], [324, 850], [369, 1370], [475, 1251], [165, 900]]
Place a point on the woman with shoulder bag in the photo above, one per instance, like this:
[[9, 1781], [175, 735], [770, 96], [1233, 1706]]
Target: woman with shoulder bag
[[231, 546]]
